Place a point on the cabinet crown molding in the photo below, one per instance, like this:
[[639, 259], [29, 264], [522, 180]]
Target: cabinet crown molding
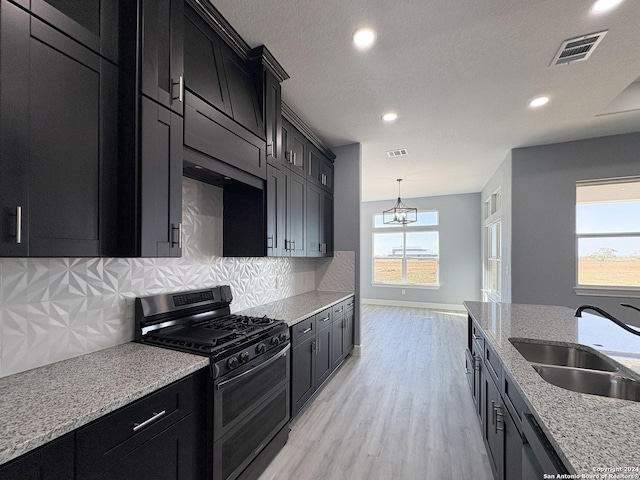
[[297, 122]]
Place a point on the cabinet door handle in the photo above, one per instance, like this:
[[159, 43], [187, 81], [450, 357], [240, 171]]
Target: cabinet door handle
[[180, 84], [493, 417], [313, 348], [156, 416], [499, 419], [18, 224], [270, 241], [269, 149], [177, 229], [292, 242]]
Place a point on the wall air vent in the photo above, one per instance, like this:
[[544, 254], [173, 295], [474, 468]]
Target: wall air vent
[[579, 48], [398, 152]]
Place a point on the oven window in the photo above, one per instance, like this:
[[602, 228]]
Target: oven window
[[255, 434], [243, 395]]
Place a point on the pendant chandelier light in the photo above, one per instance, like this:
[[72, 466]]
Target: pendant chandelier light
[[400, 214]]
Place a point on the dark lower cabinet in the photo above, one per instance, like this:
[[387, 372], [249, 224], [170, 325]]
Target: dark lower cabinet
[[167, 456], [53, 461], [159, 437], [324, 365], [342, 340], [302, 374], [516, 446], [314, 348], [58, 142]]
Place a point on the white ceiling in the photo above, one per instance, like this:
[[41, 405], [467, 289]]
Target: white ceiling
[[458, 72]]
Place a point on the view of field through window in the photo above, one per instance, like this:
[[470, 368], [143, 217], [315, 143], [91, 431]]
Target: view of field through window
[[406, 255], [608, 233]]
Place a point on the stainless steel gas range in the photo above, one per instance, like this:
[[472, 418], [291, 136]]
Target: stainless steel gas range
[[248, 390]]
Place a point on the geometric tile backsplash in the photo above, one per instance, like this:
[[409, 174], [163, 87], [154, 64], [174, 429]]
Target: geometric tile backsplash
[[56, 308]]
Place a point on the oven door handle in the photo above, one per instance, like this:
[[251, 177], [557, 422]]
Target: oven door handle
[[281, 353]]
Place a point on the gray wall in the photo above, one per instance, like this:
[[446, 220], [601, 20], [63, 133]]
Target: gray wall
[[501, 179], [460, 265], [346, 208], [543, 214]]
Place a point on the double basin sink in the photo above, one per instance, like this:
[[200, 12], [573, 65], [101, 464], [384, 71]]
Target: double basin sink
[[578, 369]]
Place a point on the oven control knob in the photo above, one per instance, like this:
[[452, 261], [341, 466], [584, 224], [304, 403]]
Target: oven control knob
[[275, 341], [232, 362], [261, 348], [244, 357], [283, 337]]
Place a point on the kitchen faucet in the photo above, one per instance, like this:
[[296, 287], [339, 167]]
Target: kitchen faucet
[[608, 316]]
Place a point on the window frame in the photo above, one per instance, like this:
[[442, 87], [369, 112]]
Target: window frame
[[489, 259], [602, 290], [404, 229]]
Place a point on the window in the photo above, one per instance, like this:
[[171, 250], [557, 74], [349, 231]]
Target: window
[[493, 204], [608, 234], [493, 260], [406, 255]]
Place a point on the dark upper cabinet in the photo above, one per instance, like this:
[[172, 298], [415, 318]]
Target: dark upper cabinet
[[286, 213], [53, 461], [160, 211], [58, 131], [294, 146], [151, 184], [243, 98], [277, 211], [217, 75], [93, 23], [319, 169], [150, 129], [319, 222], [203, 63], [297, 234], [161, 45], [272, 100]]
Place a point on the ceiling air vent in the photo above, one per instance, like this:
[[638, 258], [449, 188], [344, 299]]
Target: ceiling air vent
[[399, 152], [579, 48]]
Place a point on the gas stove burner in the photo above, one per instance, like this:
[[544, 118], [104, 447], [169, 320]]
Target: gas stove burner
[[202, 336]]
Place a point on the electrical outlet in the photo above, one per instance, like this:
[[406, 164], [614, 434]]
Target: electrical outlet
[[403, 291]]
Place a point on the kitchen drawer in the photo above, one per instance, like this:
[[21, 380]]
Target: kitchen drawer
[[135, 424], [303, 330], [338, 309], [493, 364], [476, 334], [349, 304], [513, 399], [323, 319]]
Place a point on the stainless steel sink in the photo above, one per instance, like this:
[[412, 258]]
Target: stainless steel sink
[[563, 355], [605, 384]]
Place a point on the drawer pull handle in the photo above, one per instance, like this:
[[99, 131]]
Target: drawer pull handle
[[340, 311], [156, 416], [476, 337], [307, 330], [325, 319]]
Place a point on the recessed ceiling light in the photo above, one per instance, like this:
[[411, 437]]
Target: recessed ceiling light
[[364, 38], [601, 6], [389, 116], [539, 101]]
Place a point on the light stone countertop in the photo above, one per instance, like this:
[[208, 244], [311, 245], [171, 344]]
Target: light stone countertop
[[587, 431], [295, 309], [45, 403]]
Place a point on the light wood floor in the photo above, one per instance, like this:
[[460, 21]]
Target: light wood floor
[[402, 411]]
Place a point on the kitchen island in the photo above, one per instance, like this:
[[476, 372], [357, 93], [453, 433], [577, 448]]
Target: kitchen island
[[589, 433]]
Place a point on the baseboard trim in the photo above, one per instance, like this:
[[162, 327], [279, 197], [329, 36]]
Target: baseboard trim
[[357, 351], [397, 303]]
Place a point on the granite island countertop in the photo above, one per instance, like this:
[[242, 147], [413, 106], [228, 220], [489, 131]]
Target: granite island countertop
[[295, 309], [45, 403], [587, 431]]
